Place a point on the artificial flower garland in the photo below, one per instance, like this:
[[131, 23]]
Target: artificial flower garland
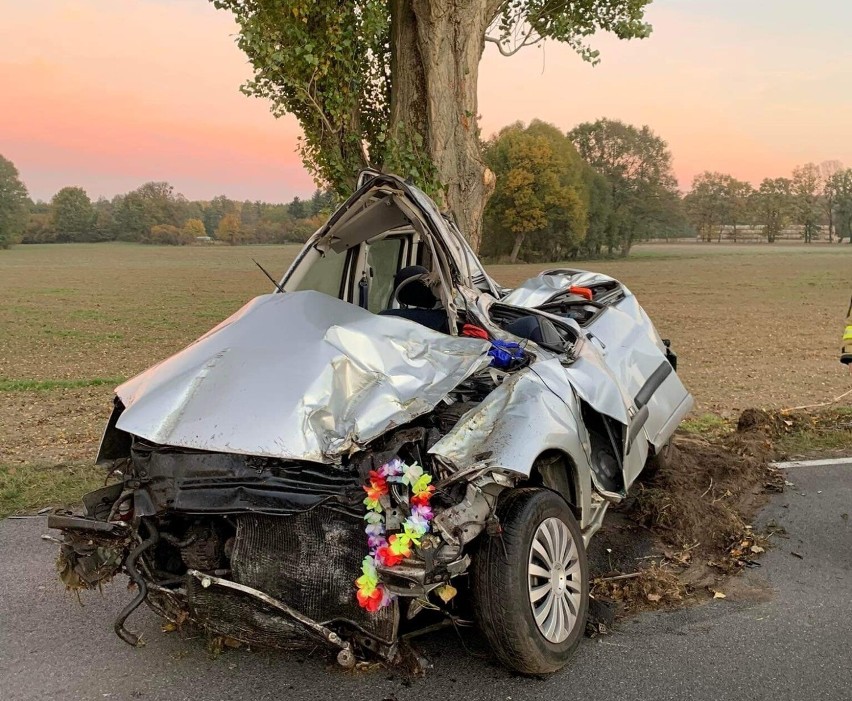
[[390, 550]]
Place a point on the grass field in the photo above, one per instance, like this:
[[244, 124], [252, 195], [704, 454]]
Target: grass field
[[753, 325]]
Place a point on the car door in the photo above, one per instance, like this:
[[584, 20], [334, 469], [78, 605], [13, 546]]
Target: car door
[[632, 350]]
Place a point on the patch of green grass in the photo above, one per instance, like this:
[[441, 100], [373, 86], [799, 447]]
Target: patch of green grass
[[28, 487], [806, 443], [88, 314], [48, 385], [706, 424], [62, 333], [822, 433]]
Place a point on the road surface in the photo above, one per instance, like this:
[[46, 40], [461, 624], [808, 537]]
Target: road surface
[[784, 632]]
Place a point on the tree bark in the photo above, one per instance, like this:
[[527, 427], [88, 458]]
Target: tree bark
[[435, 44], [516, 249]]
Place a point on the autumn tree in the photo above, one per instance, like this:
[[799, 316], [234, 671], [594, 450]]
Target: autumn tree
[[168, 235], [393, 85], [215, 210], [540, 196], [193, 229], [807, 210], [39, 228], [72, 215], [638, 167], [13, 204], [229, 229], [775, 206]]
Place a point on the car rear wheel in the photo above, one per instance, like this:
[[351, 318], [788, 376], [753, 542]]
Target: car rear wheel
[[531, 591]]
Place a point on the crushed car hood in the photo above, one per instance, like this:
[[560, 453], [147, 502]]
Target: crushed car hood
[[300, 376]]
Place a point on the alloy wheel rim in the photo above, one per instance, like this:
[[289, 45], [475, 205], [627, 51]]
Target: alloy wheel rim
[[554, 580]]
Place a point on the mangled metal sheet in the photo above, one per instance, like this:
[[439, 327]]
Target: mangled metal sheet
[[632, 349], [297, 376], [540, 289], [517, 422]]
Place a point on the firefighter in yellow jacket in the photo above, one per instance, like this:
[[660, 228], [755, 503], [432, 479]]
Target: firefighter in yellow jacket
[[846, 348]]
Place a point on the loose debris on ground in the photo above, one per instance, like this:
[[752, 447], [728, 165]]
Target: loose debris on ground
[[696, 514], [692, 520]]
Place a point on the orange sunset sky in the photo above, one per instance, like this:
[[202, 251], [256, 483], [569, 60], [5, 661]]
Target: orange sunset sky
[[108, 94]]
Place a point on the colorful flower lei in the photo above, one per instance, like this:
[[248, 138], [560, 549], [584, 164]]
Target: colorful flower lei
[[389, 550]]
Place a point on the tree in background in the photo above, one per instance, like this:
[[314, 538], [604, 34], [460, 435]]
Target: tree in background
[[774, 206], [322, 202], [147, 206], [807, 187], [193, 229], [740, 204], [298, 209], [215, 210], [718, 200], [169, 235], [706, 204], [638, 167], [840, 186], [229, 230], [599, 232], [39, 228], [393, 85], [13, 204], [104, 226], [826, 170], [72, 215], [540, 202]]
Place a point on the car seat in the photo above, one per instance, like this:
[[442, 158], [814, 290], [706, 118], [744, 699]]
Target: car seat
[[417, 300]]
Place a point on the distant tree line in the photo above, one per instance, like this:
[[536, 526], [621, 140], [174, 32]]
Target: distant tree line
[[596, 190], [815, 202], [152, 213]]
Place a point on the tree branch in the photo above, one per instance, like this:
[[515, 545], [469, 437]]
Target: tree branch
[[525, 42]]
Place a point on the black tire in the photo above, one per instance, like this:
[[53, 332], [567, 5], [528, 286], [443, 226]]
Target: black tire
[[500, 580]]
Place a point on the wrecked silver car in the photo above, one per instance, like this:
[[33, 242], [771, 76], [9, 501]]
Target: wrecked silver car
[[386, 442]]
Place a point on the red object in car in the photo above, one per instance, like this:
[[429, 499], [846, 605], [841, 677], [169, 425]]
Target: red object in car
[[582, 291], [474, 331]]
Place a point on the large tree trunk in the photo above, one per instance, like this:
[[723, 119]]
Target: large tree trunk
[[435, 44]]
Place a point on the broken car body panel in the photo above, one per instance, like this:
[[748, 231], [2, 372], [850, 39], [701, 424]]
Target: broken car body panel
[[297, 376], [246, 456]]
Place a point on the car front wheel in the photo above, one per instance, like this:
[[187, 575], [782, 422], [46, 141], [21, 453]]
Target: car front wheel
[[531, 590]]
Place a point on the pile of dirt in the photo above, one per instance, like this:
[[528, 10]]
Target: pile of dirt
[[697, 508], [705, 493]]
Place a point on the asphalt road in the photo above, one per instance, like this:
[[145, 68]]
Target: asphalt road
[[784, 632]]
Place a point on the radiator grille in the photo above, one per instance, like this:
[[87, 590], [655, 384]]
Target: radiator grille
[[309, 561]]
